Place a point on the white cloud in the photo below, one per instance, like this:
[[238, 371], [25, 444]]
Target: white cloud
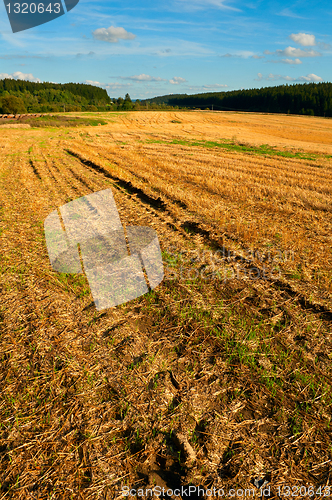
[[303, 39], [18, 75], [108, 86], [311, 77], [176, 80], [112, 34], [143, 78], [293, 52], [291, 61], [96, 84], [288, 61]]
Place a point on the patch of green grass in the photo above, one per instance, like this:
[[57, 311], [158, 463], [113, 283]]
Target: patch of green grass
[[94, 122], [244, 341], [232, 145], [264, 149], [74, 283], [154, 141]]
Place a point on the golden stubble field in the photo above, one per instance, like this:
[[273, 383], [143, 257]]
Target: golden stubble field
[[221, 376]]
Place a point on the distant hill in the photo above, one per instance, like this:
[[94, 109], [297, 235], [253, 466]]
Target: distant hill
[[43, 97], [305, 99]]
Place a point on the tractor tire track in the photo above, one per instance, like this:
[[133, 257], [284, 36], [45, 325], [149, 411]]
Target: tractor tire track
[[209, 236]]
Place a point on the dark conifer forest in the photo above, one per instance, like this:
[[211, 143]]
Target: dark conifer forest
[[305, 99]]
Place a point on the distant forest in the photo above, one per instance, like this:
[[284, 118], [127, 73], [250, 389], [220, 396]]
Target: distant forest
[[303, 99], [20, 96]]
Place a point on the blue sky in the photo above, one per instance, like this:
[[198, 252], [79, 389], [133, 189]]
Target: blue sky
[[153, 47]]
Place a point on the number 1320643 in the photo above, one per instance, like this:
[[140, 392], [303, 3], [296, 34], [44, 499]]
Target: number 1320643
[[34, 8], [304, 491]]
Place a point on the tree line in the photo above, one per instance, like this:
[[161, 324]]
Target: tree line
[[305, 99], [126, 104], [21, 96]]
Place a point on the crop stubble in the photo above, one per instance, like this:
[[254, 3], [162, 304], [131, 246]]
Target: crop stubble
[[240, 367]]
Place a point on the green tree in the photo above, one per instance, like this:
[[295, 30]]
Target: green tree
[[12, 104], [128, 104]]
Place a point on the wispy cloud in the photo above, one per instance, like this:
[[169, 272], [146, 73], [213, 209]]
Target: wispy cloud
[[142, 78], [215, 86], [288, 13], [205, 88], [205, 4], [9, 57], [311, 77], [118, 86], [112, 34], [90, 54], [294, 52], [241, 53], [108, 86], [176, 80], [287, 61]]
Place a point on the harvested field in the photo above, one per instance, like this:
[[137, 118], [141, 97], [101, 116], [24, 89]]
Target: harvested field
[[221, 376], [16, 125], [46, 120]]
